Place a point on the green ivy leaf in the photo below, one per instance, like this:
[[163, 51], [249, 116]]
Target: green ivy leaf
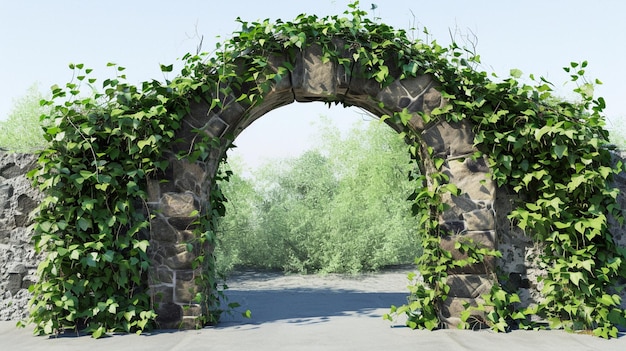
[[560, 151], [576, 277], [515, 73], [91, 259], [438, 162], [84, 224]]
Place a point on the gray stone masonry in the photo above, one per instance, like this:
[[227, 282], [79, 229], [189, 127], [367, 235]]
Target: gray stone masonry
[[18, 261]]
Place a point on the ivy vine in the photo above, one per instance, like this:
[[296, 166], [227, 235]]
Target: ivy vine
[[94, 221]]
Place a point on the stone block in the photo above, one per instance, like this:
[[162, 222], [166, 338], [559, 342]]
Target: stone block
[[191, 317], [169, 316], [182, 260], [453, 227], [162, 295], [278, 94], [25, 205], [483, 219], [161, 275], [362, 88], [452, 308], [186, 288], [193, 173], [178, 205], [469, 285], [185, 236], [458, 206], [416, 95], [432, 100], [162, 249], [472, 178], [450, 139], [199, 114], [228, 117], [28, 280], [6, 192], [162, 231], [182, 223], [17, 268], [275, 63], [312, 79], [190, 323], [13, 283], [10, 170], [192, 310], [189, 182]]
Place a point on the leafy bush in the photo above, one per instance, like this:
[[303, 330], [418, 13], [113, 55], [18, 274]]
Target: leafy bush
[[340, 208], [22, 130]]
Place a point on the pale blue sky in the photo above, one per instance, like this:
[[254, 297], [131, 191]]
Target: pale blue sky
[[38, 38]]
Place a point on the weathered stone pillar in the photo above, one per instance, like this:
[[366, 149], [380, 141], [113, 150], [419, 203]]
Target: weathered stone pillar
[[470, 217], [175, 204]]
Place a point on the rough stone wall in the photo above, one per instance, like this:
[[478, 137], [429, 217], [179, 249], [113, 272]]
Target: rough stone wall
[[18, 261]]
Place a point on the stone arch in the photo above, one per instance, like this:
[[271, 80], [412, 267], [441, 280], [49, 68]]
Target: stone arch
[[185, 187]]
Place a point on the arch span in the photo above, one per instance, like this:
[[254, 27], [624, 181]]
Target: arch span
[[306, 75]]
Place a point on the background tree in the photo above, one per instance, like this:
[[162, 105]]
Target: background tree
[[338, 208], [22, 130]]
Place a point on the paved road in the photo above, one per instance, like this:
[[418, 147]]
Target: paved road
[[319, 315]]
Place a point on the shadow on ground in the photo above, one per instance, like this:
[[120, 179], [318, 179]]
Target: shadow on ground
[[306, 305]]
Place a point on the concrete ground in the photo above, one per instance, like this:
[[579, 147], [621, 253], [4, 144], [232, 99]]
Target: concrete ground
[[312, 313]]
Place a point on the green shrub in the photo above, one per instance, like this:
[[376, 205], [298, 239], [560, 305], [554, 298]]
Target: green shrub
[[341, 208], [21, 131]]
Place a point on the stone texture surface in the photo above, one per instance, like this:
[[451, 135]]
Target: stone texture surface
[[454, 306], [481, 239], [18, 261], [470, 218], [450, 139], [469, 285], [173, 246]]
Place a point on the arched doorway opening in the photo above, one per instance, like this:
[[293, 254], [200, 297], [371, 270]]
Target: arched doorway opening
[[334, 204], [306, 76]]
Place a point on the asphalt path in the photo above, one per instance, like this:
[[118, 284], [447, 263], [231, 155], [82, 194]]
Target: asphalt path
[[312, 313]]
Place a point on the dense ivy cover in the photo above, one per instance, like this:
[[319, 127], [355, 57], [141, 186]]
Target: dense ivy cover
[[104, 145]]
